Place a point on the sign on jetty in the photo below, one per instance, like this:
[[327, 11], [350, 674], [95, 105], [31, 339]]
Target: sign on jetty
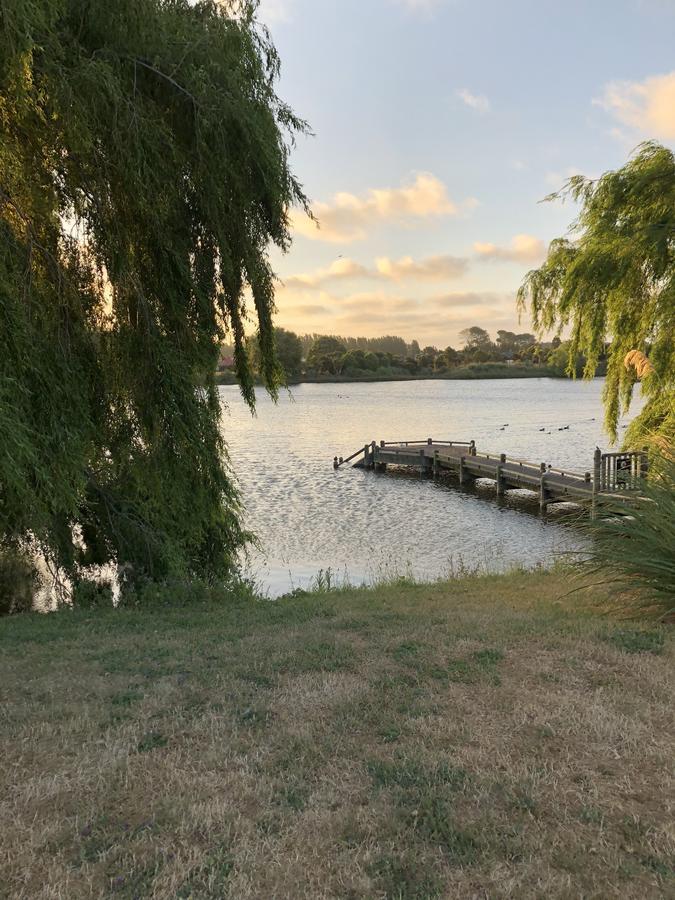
[[614, 475]]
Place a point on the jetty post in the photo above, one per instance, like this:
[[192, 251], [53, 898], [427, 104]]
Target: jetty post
[[498, 475], [543, 493], [461, 470], [380, 466], [597, 477]]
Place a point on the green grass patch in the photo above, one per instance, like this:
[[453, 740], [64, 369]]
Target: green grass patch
[[410, 773], [153, 740], [405, 877], [126, 698], [433, 821], [316, 656], [637, 640], [210, 878]]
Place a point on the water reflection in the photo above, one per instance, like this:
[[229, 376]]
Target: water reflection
[[309, 517]]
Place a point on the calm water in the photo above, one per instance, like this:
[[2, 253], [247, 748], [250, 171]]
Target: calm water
[[309, 517]]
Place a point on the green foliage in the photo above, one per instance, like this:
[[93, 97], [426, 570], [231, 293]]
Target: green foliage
[[324, 346], [637, 552], [509, 342], [360, 361], [18, 580], [366, 357], [89, 594], [559, 359], [143, 174], [387, 344], [288, 352], [475, 338], [448, 359], [614, 278]]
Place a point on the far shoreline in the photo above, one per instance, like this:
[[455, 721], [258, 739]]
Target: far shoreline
[[465, 373]]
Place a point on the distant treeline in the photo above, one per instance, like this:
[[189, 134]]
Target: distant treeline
[[388, 344], [321, 355]]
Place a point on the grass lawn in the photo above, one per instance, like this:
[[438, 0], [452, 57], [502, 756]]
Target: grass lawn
[[487, 737]]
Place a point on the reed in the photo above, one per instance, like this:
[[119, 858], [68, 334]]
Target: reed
[[636, 553]]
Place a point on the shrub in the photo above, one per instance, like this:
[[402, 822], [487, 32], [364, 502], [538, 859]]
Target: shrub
[[18, 580], [637, 551], [89, 594]]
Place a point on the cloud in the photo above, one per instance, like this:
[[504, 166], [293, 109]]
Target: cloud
[[524, 248], [646, 106], [307, 309], [479, 102], [473, 299], [431, 268], [437, 319], [372, 301], [338, 270], [271, 11], [347, 216]]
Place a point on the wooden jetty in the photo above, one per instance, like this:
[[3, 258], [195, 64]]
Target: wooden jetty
[[614, 475]]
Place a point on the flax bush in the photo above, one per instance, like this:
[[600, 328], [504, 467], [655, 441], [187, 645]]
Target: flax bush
[[636, 552]]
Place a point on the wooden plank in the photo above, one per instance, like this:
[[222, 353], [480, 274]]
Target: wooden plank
[[608, 481]]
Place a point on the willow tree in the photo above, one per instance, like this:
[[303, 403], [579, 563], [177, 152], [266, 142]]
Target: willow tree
[[144, 172], [613, 280]]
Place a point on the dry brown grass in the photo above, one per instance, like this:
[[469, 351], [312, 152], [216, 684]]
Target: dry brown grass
[[475, 739]]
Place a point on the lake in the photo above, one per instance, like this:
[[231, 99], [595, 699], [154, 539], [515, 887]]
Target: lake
[[365, 526]]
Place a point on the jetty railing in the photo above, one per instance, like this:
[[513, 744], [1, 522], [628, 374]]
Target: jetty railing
[[613, 473], [427, 441], [339, 461], [622, 471]]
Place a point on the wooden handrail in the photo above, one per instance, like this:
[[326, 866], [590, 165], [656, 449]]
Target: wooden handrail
[[608, 476], [340, 462], [605, 476], [530, 464], [426, 441], [356, 453], [567, 472], [612, 479]]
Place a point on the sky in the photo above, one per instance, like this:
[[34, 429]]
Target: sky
[[439, 126]]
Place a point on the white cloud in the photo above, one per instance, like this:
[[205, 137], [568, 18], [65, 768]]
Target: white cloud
[[271, 11], [431, 268], [338, 270], [347, 216], [646, 106], [479, 102], [524, 248]]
